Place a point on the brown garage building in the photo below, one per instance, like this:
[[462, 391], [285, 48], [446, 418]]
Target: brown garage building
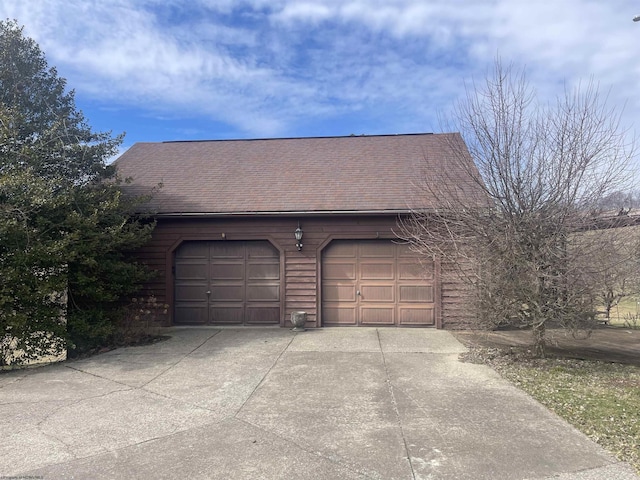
[[228, 211]]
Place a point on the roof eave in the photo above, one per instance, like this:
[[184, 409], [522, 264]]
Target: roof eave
[[291, 213]]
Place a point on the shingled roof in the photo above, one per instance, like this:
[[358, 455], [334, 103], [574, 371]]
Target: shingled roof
[[354, 174]]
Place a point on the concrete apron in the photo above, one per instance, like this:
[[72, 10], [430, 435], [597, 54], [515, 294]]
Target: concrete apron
[[268, 403]]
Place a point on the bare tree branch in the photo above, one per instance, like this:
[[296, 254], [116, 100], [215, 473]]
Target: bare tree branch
[[537, 174]]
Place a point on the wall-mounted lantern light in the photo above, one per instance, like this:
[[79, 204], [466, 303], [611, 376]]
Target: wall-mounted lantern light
[[298, 234]]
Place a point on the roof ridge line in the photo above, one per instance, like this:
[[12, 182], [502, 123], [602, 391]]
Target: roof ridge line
[[301, 138]]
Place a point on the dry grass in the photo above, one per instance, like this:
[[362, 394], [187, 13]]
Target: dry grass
[[626, 310], [600, 399]]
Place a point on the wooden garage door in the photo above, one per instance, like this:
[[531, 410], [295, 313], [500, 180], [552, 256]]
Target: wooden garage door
[[227, 282], [375, 283]]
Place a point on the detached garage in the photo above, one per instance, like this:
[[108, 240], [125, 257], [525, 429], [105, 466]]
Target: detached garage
[[249, 231]]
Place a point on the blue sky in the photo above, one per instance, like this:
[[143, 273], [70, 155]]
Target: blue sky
[[216, 69]]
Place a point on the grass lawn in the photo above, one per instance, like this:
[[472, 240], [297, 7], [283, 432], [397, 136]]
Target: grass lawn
[[600, 399], [627, 313]]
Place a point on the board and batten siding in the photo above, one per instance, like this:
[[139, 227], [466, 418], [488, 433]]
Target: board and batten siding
[[300, 270]]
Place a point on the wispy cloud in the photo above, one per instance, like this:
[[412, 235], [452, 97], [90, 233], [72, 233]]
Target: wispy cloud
[[266, 67]]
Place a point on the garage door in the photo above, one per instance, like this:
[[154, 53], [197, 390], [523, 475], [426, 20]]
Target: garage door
[[376, 283], [227, 283]]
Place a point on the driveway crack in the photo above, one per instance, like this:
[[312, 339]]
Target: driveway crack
[[264, 377], [345, 465], [12, 381], [79, 401], [179, 361], [395, 407], [99, 376]]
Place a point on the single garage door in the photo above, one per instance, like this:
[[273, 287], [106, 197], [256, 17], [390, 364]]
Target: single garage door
[[375, 283], [227, 283]]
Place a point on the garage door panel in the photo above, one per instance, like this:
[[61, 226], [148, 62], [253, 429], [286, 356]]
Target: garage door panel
[[377, 293], [377, 315], [266, 271], [404, 251], [191, 314], [339, 271], [227, 271], [262, 315], [190, 293], [415, 271], [193, 250], [191, 271], [226, 314], [227, 293], [335, 315], [227, 250], [342, 250], [377, 271], [262, 250], [263, 293], [377, 250], [339, 293], [416, 316], [416, 293]]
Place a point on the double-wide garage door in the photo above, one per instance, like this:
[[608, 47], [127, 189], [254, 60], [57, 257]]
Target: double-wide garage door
[[231, 283], [375, 283]]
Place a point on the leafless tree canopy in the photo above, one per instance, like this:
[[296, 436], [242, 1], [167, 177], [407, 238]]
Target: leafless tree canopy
[[543, 170]]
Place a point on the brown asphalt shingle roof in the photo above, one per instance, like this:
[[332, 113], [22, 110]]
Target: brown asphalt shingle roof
[[278, 176]]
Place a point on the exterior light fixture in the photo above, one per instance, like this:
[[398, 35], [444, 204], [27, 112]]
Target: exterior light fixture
[[298, 234]]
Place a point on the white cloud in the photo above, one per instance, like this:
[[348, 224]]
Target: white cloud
[[119, 53], [264, 66], [306, 11]]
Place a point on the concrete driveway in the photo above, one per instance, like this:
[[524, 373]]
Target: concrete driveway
[[267, 403]]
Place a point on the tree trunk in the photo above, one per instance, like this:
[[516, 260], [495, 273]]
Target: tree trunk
[[608, 305], [539, 343], [541, 313]]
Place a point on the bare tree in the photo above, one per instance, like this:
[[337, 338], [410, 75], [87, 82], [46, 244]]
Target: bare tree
[[621, 203], [541, 169], [615, 270]]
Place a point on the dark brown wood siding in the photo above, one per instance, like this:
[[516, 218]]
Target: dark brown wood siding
[[300, 270], [457, 299]]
